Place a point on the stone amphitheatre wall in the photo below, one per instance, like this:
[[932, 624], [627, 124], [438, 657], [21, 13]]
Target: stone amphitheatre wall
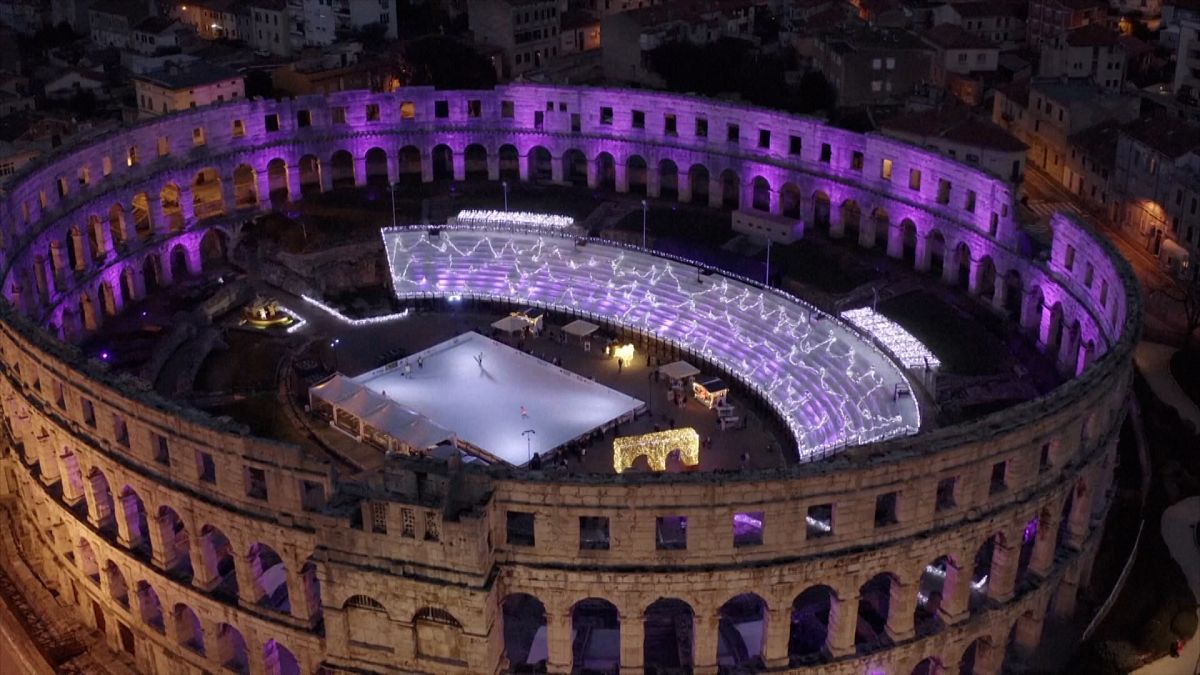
[[156, 523]]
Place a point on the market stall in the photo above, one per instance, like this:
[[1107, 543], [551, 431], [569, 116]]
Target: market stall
[[710, 391]]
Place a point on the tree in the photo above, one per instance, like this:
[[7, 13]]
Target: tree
[[1184, 288]]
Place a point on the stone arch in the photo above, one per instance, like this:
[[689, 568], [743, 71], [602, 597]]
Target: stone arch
[[1056, 329], [117, 231], [177, 552], [269, 578], [171, 197], [636, 175], [760, 199], [188, 631], [133, 511], [510, 162], [731, 190], [1029, 537], [140, 209], [850, 217], [179, 262], [540, 164], [935, 251], [108, 299], [986, 557], [118, 590], [596, 623], [217, 558], [96, 232], [245, 187], [277, 181], [128, 283], [1022, 639], [977, 657], [879, 224], [311, 589], [1013, 286], [985, 280], [88, 564], [606, 172], [105, 513], [936, 581], [929, 666], [207, 200], [699, 180], [809, 633], [437, 634], [475, 162], [741, 632], [341, 170], [790, 201], [821, 210], [150, 272], [668, 642], [907, 246], [279, 660], [524, 623], [213, 249], [874, 612], [574, 167], [376, 164], [310, 175], [410, 165], [668, 180], [149, 607], [443, 162], [231, 649], [962, 258]]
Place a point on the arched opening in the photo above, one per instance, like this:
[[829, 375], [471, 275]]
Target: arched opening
[[635, 174], [212, 250], [116, 225], [245, 187], [668, 180], [140, 209], [606, 172], [1022, 640], [935, 250], [231, 649], [279, 660], [539, 164], [731, 189], [851, 218], [443, 162], [179, 263], [270, 578], [1013, 295], [312, 589], [218, 562], [809, 631], [277, 181], [169, 198], [188, 632], [821, 210], [908, 246], [176, 545], [698, 180], [874, 606], [936, 581], [962, 257], [150, 608], [574, 167], [929, 666], [96, 230], [475, 161], [437, 634], [741, 632], [669, 639], [134, 512], [310, 175], [524, 622], [510, 163], [975, 658], [206, 194], [596, 625], [1062, 539], [117, 588], [341, 166], [105, 513], [789, 201], [986, 280], [761, 199], [1054, 335], [410, 165], [880, 223], [981, 572], [150, 273], [1029, 536], [377, 167], [128, 283], [87, 561]]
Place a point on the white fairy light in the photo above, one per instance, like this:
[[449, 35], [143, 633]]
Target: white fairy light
[[978, 585], [369, 321], [819, 524], [910, 351], [519, 218], [298, 321]]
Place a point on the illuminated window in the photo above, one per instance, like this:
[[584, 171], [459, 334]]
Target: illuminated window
[[408, 110], [885, 169], [372, 112], [164, 146], [914, 179], [131, 157], [239, 129]]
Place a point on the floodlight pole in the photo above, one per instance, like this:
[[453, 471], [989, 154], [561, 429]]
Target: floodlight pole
[[528, 434], [767, 281], [643, 224], [504, 184], [392, 189]]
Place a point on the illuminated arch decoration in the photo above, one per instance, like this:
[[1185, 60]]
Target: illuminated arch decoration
[[655, 447]]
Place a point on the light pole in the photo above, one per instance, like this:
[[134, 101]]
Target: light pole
[[643, 223], [392, 190], [504, 184], [333, 348], [767, 281], [528, 434]]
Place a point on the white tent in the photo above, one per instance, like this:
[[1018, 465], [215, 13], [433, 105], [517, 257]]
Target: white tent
[[679, 370], [511, 324], [580, 328], [408, 427], [334, 390]]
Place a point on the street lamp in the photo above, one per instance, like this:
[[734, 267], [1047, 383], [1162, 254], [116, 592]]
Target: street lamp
[[392, 190], [643, 223], [504, 184], [333, 348], [528, 434], [767, 281]]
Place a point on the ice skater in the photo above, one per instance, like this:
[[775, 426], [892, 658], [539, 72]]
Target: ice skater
[[407, 370], [420, 362], [479, 360]]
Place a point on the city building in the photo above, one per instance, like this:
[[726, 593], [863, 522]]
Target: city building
[[959, 52], [111, 22], [1157, 180], [268, 26], [334, 69], [580, 31], [72, 81], [25, 16], [1049, 18], [1092, 53], [13, 156], [176, 88], [873, 67], [526, 31], [313, 23], [1186, 83], [1176, 13], [212, 19], [996, 22], [1089, 167], [955, 132], [157, 36]]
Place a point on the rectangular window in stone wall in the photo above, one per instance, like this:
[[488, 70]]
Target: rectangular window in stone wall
[[1089, 275], [970, 205], [639, 119], [1069, 258], [239, 128], [748, 529], [914, 179], [198, 138], [441, 109], [606, 115], [1044, 458], [826, 153], [593, 533], [379, 517], [701, 127], [994, 225], [372, 112], [669, 125], [408, 110], [162, 452], [474, 108], [795, 145], [943, 195], [206, 468], [120, 431], [89, 412], [164, 146], [885, 509], [60, 398], [312, 495], [271, 122], [733, 133], [670, 533], [508, 110], [408, 523], [519, 528], [131, 159], [819, 521], [764, 139], [945, 494], [256, 483], [304, 118], [576, 123], [885, 169], [337, 114], [1103, 293], [856, 161], [539, 119], [999, 481], [433, 530]]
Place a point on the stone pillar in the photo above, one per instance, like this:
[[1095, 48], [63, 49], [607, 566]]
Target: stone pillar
[[1002, 576], [950, 263], [523, 168], [393, 168], [837, 223], [622, 177], [866, 231], [458, 162], [493, 166], [194, 264], [325, 174], [1068, 349], [843, 620], [956, 593], [558, 641], [263, 187], [1028, 635], [166, 276], [975, 277], [1063, 604], [653, 182], [778, 629], [922, 253], [1041, 560], [593, 174], [48, 463], [297, 594], [716, 192], [58, 257], [902, 604], [556, 169], [1086, 355], [1000, 293], [1046, 328], [162, 550], [1079, 519], [633, 635], [71, 494], [123, 536], [360, 171], [187, 208], [1030, 316], [91, 318], [228, 196], [895, 242], [293, 183], [684, 182], [704, 642], [158, 219]]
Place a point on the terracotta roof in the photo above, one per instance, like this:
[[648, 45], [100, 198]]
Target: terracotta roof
[[950, 36], [1092, 35], [1167, 135], [958, 125]]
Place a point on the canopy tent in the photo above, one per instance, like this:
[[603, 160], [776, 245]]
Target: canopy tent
[[580, 328], [510, 324], [368, 416], [679, 370], [406, 427], [333, 390]]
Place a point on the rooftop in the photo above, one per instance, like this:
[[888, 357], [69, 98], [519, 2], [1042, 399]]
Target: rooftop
[[1165, 134], [578, 18], [1092, 35], [873, 39], [978, 10], [130, 9], [191, 75], [956, 124], [1099, 142], [950, 36]]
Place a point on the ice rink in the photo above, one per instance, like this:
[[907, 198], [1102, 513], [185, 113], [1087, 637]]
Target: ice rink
[[482, 403]]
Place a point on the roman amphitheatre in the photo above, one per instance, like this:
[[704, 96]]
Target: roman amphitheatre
[[512, 381]]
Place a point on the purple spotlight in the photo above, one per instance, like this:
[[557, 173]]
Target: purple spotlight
[[104, 355]]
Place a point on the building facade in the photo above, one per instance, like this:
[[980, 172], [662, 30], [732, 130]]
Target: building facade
[[1092, 53], [526, 31], [177, 88], [1048, 19]]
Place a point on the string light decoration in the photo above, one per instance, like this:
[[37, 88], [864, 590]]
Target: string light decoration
[[831, 387], [656, 446], [624, 352], [369, 321], [908, 350], [517, 218]]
